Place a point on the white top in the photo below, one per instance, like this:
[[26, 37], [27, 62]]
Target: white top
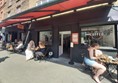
[[98, 52], [19, 46]]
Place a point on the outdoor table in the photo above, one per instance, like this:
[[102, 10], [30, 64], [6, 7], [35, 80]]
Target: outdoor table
[[112, 63]]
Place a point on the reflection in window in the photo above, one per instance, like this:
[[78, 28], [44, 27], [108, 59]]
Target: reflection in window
[[104, 35], [46, 36]]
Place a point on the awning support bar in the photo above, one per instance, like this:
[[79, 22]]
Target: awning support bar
[[27, 36]]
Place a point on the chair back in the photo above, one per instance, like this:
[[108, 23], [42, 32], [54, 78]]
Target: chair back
[[48, 52]]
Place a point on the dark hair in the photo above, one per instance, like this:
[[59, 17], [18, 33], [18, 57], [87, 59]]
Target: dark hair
[[94, 44]]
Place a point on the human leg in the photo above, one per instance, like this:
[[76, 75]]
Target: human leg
[[98, 67], [38, 55], [100, 70]]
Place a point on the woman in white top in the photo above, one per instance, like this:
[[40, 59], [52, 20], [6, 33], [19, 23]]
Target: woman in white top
[[29, 50], [20, 44]]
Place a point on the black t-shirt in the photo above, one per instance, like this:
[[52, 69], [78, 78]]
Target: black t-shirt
[[41, 50]]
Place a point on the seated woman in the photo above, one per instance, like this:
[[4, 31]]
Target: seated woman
[[90, 60], [20, 44], [40, 50], [29, 51], [9, 47]]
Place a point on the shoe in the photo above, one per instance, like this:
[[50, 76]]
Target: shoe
[[96, 80], [35, 59]]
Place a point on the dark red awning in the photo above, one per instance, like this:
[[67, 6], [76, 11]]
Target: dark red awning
[[41, 11]]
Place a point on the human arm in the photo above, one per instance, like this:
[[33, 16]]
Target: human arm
[[37, 48], [32, 47], [91, 54]]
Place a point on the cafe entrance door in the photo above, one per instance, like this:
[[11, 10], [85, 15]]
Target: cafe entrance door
[[64, 46]]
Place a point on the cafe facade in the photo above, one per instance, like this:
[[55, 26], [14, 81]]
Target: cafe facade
[[63, 31], [84, 25]]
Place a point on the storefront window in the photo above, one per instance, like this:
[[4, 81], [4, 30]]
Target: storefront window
[[46, 36], [104, 35]]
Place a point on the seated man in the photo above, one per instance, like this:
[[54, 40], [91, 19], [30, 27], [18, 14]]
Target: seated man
[[40, 50]]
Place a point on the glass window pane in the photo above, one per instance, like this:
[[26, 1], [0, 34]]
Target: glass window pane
[[46, 36], [104, 35]]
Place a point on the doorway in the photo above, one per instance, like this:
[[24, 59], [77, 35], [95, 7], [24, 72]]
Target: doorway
[[14, 36], [64, 46]]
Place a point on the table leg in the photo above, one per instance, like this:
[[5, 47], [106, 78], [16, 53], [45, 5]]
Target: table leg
[[109, 71], [117, 73], [107, 66]]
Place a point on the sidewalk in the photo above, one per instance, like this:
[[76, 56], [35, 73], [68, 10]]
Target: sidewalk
[[14, 69]]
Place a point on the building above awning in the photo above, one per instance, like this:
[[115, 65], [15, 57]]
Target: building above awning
[[48, 9]]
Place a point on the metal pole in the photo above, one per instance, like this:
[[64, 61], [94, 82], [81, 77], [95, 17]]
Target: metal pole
[[71, 62], [117, 74], [28, 34]]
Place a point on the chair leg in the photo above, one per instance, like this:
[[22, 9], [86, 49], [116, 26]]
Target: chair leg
[[45, 58], [40, 58]]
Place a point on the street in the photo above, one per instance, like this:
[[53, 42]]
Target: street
[[15, 69]]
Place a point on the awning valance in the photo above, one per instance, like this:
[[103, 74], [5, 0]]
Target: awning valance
[[50, 8]]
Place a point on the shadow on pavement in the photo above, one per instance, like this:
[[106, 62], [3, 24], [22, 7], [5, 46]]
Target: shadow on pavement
[[1, 49], [111, 76], [82, 68], [63, 61], [3, 58], [104, 76]]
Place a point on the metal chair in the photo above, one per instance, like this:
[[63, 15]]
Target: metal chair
[[44, 56]]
